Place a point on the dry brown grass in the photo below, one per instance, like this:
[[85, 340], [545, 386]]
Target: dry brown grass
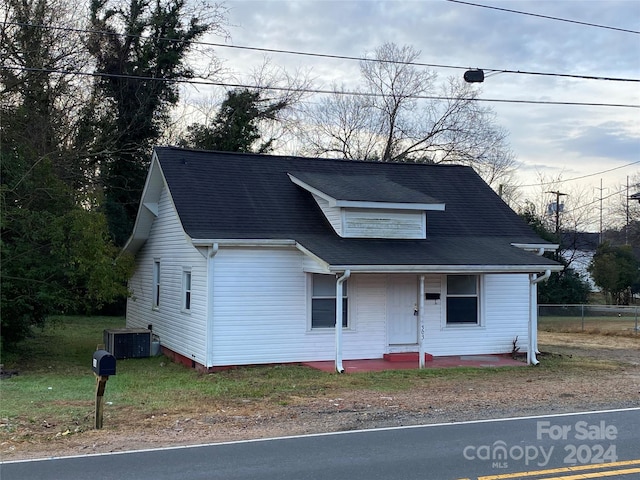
[[597, 326]]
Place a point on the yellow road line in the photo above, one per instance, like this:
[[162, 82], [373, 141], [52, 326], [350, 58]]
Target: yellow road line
[[609, 473], [577, 468]]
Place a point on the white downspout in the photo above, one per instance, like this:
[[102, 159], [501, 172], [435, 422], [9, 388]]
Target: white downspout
[[532, 348], [213, 250], [339, 282], [421, 322]]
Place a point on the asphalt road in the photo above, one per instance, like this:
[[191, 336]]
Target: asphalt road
[[593, 443]]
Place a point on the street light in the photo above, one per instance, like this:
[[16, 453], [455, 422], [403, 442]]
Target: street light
[[474, 76]]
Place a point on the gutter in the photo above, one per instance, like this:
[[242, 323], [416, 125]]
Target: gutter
[[242, 242], [338, 327], [447, 269], [535, 247], [532, 348]]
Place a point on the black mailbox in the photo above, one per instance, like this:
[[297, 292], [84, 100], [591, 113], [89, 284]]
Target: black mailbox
[[104, 364]]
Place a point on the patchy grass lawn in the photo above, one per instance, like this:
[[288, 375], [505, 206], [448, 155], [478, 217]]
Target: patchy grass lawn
[[54, 378], [48, 407]]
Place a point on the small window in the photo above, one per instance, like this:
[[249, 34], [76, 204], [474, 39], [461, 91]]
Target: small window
[[156, 283], [462, 299], [323, 302], [186, 290]]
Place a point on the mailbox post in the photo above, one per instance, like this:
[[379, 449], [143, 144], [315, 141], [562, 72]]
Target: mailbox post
[[104, 364]]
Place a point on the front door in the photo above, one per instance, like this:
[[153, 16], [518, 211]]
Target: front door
[[402, 321]]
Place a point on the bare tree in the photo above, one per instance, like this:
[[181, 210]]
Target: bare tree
[[342, 125], [40, 93], [400, 114], [279, 87]]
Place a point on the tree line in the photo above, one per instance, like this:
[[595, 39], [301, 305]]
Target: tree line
[[87, 93], [74, 149]]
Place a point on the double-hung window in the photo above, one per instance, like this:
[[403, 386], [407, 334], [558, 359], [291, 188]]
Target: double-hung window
[[156, 284], [462, 300], [323, 302], [186, 290]]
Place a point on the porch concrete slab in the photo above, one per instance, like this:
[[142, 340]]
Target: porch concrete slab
[[479, 358], [379, 364]]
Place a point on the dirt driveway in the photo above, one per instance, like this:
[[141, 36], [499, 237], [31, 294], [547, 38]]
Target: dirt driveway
[[600, 372]]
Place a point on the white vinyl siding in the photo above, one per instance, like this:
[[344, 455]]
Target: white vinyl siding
[[182, 331], [371, 223], [504, 315], [333, 214], [259, 306], [310, 265], [261, 309], [374, 223]]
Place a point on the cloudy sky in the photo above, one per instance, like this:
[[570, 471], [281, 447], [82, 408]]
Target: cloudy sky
[[552, 141]]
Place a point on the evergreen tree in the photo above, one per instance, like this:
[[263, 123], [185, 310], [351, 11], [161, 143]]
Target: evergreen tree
[[140, 51], [55, 251], [236, 127], [616, 270]]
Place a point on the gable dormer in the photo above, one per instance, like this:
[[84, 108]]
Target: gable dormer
[[369, 206]]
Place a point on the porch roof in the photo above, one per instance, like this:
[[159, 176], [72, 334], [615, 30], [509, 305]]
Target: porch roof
[[435, 254]]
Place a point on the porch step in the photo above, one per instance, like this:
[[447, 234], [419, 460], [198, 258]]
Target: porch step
[[406, 357]]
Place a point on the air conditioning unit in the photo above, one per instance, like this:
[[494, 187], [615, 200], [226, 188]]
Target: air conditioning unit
[[128, 342]]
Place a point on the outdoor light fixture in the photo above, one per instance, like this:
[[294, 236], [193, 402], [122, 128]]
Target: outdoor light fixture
[[474, 76]]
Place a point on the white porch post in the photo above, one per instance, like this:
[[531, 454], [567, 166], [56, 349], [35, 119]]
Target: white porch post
[[421, 322]]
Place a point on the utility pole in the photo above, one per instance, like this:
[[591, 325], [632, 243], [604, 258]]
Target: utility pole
[[626, 227], [600, 237], [557, 209]]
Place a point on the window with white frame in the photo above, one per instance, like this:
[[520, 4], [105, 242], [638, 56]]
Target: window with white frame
[[156, 283], [323, 302], [186, 289], [462, 300]]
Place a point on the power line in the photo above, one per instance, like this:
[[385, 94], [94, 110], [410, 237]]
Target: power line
[[310, 90], [581, 177], [548, 17], [597, 200], [332, 56]]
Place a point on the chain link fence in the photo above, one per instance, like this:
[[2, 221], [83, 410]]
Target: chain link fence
[[604, 319]]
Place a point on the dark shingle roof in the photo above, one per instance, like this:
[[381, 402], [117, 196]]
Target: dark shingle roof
[[247, 196], [365, 188]]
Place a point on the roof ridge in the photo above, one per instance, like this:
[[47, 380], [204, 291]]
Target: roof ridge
[[302, 158]]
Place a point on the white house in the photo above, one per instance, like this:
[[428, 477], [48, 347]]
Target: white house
[[240, 259]]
